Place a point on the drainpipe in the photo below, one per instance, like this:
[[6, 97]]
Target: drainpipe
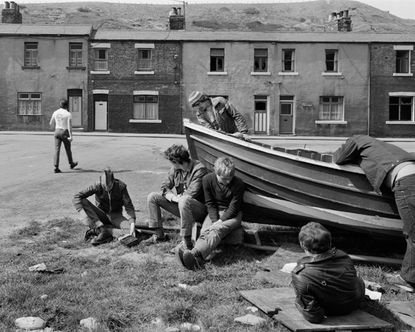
[[369, 88]]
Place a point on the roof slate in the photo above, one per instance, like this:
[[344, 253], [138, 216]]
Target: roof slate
[[246, 36], [45, 30]]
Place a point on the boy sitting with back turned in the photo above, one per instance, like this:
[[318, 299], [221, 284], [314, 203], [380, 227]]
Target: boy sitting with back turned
[[325, 281]]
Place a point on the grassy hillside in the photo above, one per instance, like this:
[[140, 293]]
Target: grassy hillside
[[305, 16]]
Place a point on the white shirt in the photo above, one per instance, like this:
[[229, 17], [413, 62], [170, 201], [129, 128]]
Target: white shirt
[[62, 118]]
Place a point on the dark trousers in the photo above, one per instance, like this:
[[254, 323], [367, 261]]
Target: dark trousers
[[61, 136], [404, 190]]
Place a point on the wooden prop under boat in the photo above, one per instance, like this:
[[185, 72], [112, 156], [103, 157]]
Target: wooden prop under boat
[[293, 187]]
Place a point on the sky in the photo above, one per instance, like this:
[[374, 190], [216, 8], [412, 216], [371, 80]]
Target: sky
[[401, 8]]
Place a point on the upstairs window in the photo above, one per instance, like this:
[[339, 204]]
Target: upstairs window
[[401, 108], [217, 59], [288, 60], [260, 60], [331, 60], [29, 103], [402, 62], [331, 108], [101, 59], [75, 54], [146, 107], [145, 59], [31, 54]]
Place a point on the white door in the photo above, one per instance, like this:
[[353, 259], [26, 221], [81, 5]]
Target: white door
[[100, 115], [75, 106]]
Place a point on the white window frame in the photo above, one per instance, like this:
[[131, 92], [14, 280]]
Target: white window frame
[[408, 48], [100, 46], [222, 72], [323, 121], [77, 55], [147, 93], [31, 55], [31, 99], [403, 94], [143, 46], [335, 61]]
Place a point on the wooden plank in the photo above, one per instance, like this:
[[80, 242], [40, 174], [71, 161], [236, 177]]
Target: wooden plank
[[280, 303], [404, 310], [291, 318]]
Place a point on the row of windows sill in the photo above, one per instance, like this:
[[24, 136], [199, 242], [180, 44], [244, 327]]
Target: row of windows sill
[[143, 121], [144, 72], [100, 72], [217, 73], [335, 74], [400, 122], [330, 122], [403, 74]]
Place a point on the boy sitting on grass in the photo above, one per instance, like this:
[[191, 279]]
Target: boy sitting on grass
[[325, 281]]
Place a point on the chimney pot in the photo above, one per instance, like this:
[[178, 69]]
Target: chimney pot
[[6, 5]]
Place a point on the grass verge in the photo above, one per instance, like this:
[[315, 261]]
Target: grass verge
[[130, 289]]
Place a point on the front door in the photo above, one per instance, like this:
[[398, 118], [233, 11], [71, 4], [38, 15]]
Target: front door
[[75, 106], [286, 115], [100, 115]]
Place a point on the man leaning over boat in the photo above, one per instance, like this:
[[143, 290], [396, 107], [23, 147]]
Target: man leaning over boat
[[218, 114], [388, 167]]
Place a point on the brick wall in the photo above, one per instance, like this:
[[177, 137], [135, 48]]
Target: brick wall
[[122, 82], [383, 82]]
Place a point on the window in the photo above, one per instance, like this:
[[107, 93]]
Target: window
[[75, 54], [402, 61], [400, 108], [146, 107], [217, 59], [331, 108], [145, 59], [31, 54], [288, 60], [30, 104], [260, 114], [260, 59], [101, 59], [331, 60]]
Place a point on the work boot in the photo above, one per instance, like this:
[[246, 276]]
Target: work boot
[[90, 233], [73, 165], [103, 237], [193, 260], [57, 170]]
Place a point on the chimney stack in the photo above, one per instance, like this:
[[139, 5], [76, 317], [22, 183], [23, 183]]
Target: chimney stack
[[344, 22], [11, 13], [176, 19]]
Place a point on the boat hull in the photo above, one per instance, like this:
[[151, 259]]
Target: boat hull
[[320, 191]]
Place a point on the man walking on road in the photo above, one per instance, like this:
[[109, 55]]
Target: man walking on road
[[63, 133]]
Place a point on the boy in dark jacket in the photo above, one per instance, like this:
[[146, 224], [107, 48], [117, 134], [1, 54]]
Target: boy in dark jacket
[[110, 196], [325, 281]]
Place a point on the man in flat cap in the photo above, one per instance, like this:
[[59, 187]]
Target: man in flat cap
[[218, 114]]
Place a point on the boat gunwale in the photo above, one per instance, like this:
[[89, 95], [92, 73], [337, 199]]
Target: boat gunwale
[[256, 146]]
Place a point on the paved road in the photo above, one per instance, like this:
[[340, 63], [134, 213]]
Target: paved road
[[31, 191]]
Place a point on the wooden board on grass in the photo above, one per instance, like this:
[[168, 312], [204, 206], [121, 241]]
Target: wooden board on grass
[[281, 300], [404, 310]]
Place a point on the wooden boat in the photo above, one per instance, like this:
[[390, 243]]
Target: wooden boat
[[293, 187]]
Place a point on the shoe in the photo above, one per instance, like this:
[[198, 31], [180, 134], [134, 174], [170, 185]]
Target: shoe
[[192, 261], [182, 245], [103, 237], [57, 170], [90, 233], [397, 280], [154, 239], [73, 165]]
